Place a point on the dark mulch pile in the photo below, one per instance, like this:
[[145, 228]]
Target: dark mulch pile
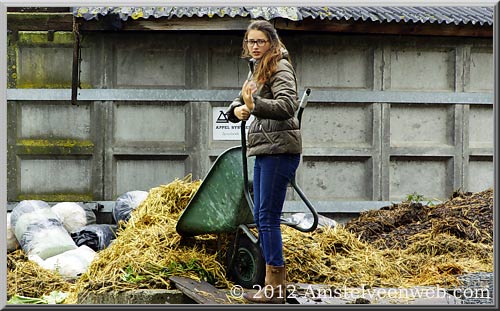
[[468, 216]]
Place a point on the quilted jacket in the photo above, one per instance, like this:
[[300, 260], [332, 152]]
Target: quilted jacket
[[275, 129]]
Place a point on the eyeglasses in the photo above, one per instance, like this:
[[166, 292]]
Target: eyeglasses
[[260, 42]]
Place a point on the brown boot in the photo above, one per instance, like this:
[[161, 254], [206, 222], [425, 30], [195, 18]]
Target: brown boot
[[274, 290]]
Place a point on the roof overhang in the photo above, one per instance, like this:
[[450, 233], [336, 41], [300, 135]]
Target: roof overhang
[[463, 23]]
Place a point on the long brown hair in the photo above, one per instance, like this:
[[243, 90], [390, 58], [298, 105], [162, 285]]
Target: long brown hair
[[269, 61]]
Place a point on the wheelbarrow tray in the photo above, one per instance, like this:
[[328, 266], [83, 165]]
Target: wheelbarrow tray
[[219, 205]]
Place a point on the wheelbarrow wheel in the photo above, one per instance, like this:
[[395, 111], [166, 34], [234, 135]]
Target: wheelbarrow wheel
[[249, 267]]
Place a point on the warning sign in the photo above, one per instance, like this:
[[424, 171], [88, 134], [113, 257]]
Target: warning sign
[[222, 129]]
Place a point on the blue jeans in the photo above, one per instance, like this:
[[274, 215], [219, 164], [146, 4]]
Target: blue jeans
[[272, 174]]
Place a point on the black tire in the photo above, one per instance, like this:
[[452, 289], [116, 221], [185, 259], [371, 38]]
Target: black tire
[[249, 267]]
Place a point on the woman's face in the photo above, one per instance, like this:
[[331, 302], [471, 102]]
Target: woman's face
[[257, 43]]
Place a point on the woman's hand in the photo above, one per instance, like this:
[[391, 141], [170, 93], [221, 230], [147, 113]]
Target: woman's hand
[[249, 87], [242, 112]]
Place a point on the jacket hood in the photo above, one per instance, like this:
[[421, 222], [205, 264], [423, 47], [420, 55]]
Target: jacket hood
[[284, 53]]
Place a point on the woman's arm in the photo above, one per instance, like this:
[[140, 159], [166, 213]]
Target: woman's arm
[[284, 88]]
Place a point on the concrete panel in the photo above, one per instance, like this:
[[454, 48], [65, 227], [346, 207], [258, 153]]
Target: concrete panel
[[47, 67], [54, 120], [335, 179], [140, 174], [429, 70], [226, 69], [411, 125], [337, 67], [325, 125], [349, 141], [480, 175], [427, 177], [481, 128], [145, 66], [149, 122], [45, 64], [481, 72], [55, 175]]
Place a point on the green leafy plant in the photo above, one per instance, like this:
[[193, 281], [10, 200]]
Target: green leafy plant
[[173, 268], [19, 299], [191, 265], [129, 275], [419, 198], [414, 197], [55, 297]]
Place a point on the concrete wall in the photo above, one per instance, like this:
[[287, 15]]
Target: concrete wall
[[388, 115]]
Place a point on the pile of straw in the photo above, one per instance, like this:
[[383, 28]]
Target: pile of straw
[[335, 256], [148, 250], [399, 246], [27, 278]]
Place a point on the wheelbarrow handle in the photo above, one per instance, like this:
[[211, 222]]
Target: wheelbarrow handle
[[303, 104], [309, 206], [305, 98]]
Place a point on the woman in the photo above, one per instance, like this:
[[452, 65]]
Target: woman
[[270, 94]]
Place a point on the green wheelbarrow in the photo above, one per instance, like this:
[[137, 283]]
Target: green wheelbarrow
[[224, 204]]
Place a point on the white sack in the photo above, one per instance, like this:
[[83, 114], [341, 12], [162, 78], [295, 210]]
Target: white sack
[[69, 264], [73, 216], [12, 243], [39, 230]]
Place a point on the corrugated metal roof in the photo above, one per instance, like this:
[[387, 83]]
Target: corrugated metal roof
[[445, 14]]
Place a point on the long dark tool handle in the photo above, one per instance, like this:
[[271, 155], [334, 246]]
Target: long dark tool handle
[[246, 186]]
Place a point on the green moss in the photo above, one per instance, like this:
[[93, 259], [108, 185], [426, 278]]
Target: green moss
[[49, 85], [55, 147], [42, 38], [57, 197], [69, 143], [11, 63]]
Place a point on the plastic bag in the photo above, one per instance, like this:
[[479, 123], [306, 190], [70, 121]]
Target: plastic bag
[[70, 263], [40, 208], [97, 236], [39, 230], [73, 215], [306, 220], [126, 203], [12, 243]]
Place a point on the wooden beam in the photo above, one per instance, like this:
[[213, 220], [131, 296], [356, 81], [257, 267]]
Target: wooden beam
[[392, 28], [191, 23], [75, 72], [38, 9], [200, 291], [39, 21]]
